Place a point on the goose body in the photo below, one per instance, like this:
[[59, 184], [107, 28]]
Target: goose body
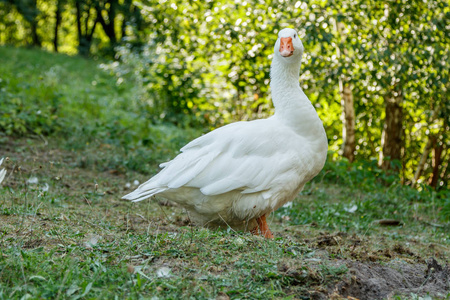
[[236, 174]]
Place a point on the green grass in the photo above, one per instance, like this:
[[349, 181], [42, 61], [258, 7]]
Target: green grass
[[67, 89], [53, 95], [78, 240]]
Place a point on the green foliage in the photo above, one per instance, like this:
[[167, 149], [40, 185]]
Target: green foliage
[[366, 46], [194, 64], [381, 196], [445, 211], [44, 94], [29, 107]]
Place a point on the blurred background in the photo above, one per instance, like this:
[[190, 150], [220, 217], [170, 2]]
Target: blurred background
[[143, 75]]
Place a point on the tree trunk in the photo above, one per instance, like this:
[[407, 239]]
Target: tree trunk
[[391, 140], [445, 170], [437, 155], [108, 27], [444, 157], [423, 159], [78, 15], [432, 143], [348, 120], [348, 110], [34, 25], [131, 16], [34, 36], [57, 23], [84, 36]]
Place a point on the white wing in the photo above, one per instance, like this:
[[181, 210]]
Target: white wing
[[244, 156]]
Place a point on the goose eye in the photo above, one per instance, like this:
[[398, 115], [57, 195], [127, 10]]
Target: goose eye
[[295, 36]]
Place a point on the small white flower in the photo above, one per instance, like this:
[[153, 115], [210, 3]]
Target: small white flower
[[33, 180], [2, 172], [92, 240], [45, 187], [163, 272], [239, 242], [136, 182], [127, 185], [351, 209]]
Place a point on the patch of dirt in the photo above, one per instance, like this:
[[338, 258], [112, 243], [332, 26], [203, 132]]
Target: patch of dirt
[[347, 279], [327, 240], [380, 281], [33, 243]]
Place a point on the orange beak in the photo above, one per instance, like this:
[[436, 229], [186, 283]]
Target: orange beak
[[286, 47]]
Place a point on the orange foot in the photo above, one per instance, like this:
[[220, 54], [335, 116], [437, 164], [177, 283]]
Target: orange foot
[[263, 228]]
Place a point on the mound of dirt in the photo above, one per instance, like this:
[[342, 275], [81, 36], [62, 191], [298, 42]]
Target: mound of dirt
[[381, 281]]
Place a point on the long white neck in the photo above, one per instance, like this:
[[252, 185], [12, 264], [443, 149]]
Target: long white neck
[[286, 92], [283, 80], [292, 106]]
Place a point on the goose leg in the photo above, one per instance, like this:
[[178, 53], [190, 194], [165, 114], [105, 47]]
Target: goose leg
[[263, 228]]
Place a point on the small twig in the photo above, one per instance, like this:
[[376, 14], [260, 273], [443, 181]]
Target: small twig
[[145, 276], [339, 244], [167, 217], [190, 225], [87, 201], [434, 224], [143, 218], [127, 220], [388, 222], [368, 227], [59, 237], [426, 280], [37, 208], [321, 180], [14, 167], [227, 223], [43, 138]]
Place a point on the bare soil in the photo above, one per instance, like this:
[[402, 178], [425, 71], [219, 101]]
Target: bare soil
[[380, 281]]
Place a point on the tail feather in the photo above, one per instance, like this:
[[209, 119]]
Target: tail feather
[[141, 194]]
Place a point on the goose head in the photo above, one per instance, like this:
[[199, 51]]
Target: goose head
[[288, 45]]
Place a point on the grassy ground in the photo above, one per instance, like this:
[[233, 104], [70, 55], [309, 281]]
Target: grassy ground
[[66, 234]]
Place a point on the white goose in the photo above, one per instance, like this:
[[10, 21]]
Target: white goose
[[237, 174]]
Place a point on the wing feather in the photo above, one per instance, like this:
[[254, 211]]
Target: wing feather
[[239, 156]]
